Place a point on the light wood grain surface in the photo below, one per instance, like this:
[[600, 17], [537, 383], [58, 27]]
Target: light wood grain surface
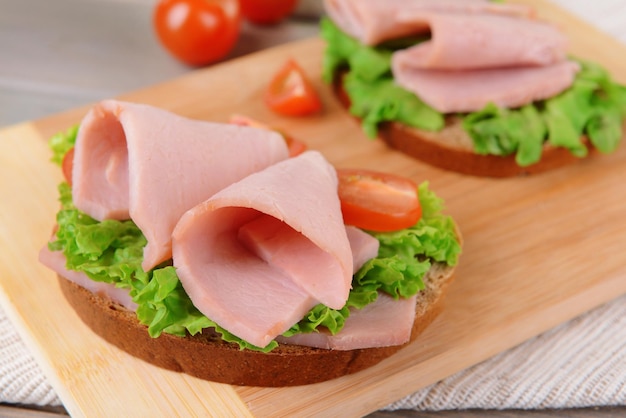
[[505, 309]]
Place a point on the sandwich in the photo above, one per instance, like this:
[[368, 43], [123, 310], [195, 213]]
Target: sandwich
[[477, 87], [207, 248]]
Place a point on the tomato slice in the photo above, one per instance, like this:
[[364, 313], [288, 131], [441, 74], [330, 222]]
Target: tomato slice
[[294, 146], [197, 32], [378, 201], [291, 93], [68, 165], [266, 12]]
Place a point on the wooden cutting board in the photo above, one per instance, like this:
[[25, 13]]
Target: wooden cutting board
[[538, 251]]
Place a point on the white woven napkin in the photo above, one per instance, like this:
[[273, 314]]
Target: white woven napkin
[[21, 379], [579, 364]]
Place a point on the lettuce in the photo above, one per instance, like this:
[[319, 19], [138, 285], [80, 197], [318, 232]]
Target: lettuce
[[61, 143], [112, 251], [342, 50], [382, 100], [374, 96], [594, 105], [500, 131]]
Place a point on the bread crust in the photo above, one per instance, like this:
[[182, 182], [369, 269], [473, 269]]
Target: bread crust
[[207, 357], [451, 148]]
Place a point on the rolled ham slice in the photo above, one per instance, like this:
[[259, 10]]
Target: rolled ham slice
[[375, 21], [475, 41], [364, 246], [262, 252], [468, 91], [130, 160], [383, 323], [55, 261]]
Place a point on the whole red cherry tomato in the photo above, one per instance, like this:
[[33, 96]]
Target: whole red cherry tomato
[[266, 12], [197, 32]]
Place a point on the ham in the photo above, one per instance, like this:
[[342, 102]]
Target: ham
[[130, 159], [385, 322], [375, 21], [468, 91], [363, 246], [475, 41], [55, 261], [479, 52], [228, 268]]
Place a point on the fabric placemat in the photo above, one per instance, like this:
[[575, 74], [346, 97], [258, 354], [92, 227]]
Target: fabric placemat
[[581, 363], [21, 378]]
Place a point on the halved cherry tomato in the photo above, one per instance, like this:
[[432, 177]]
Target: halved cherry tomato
[[294, 146], [378, 201], [197, 32], [68, 165], [291, 93], [266, 12]]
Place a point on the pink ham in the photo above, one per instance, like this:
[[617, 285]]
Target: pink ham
[[130, 160], [473, 41], [386, 322], [235, 282], [364, 246], [468, 91], [55, 261], [375, 21]]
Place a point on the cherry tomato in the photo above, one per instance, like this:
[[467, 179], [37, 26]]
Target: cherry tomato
[[291, 93], [294, 146], [68, 165], [378, 201], [266, 12], [197, 32]]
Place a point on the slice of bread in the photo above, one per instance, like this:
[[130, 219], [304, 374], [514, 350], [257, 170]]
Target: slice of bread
[[208, 357], [452, 149]]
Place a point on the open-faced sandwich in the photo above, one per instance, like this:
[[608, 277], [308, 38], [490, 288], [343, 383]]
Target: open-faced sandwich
[[474, 86], [207, 248]]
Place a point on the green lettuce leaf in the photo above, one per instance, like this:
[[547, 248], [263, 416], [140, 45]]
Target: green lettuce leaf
[[61, 143], [604, 127], [500, 131], [374, 96], [345, 51], [381, 100]]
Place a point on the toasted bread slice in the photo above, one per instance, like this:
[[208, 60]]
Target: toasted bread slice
[[208, 357], [452, 149]]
